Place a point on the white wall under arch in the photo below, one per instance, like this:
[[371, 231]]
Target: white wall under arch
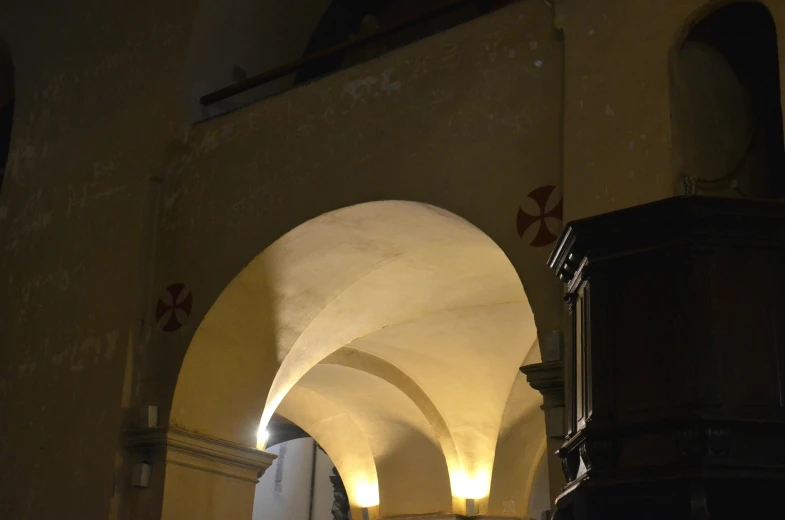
[[539, 494], [285, 492]]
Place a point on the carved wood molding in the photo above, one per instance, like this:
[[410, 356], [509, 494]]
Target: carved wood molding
[[199, 452]]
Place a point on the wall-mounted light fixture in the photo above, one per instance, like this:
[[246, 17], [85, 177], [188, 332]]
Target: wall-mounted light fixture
[[141, 475], [367, 496], [148, 417], [471, 507]]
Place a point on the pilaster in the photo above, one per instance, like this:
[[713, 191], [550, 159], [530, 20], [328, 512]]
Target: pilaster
[[197, 475], [548, 379]]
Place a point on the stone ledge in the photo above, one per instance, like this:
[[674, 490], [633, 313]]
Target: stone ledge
[[200, 452], [430, 516], [496, 517], [448, 516]]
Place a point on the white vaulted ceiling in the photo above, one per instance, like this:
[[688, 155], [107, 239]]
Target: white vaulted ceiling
[[394, 327]]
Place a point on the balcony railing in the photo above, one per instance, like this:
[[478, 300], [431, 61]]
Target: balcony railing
[[335, 50]]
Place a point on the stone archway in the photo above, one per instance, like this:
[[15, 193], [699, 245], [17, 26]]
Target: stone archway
[[418, 288]]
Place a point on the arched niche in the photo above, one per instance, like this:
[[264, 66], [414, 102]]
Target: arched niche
[[725, 104], [7, 97]]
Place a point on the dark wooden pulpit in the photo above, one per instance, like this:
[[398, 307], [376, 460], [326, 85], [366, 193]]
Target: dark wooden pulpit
[[674, 373]]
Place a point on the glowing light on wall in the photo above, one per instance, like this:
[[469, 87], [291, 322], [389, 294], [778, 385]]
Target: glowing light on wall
[[267, 414], [474, 486], [367, 495], [261, 438]]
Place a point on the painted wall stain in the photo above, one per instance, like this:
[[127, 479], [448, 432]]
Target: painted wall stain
[[77, 356], [387, 84], [451, 57], [169, 200], [354, 91]]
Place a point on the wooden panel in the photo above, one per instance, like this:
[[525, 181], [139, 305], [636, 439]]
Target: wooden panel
[[777, 319], [709, 362], [580, 354], [569, 379], [637, 361], [742, 300], [601, 375], [685, 356]]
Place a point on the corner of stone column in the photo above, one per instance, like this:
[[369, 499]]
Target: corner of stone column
[[197, 451], [547, 378]]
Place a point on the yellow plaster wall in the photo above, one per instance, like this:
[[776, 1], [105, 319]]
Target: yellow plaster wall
[[194, 494], [96, 108], [466, 121]]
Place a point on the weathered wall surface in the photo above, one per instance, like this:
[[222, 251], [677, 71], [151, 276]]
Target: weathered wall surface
[[469, 121], [617, 130], [463, 120], [96, 106]]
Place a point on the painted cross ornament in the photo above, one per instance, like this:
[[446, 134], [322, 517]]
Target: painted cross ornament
[[174, 307], [544, 236]]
